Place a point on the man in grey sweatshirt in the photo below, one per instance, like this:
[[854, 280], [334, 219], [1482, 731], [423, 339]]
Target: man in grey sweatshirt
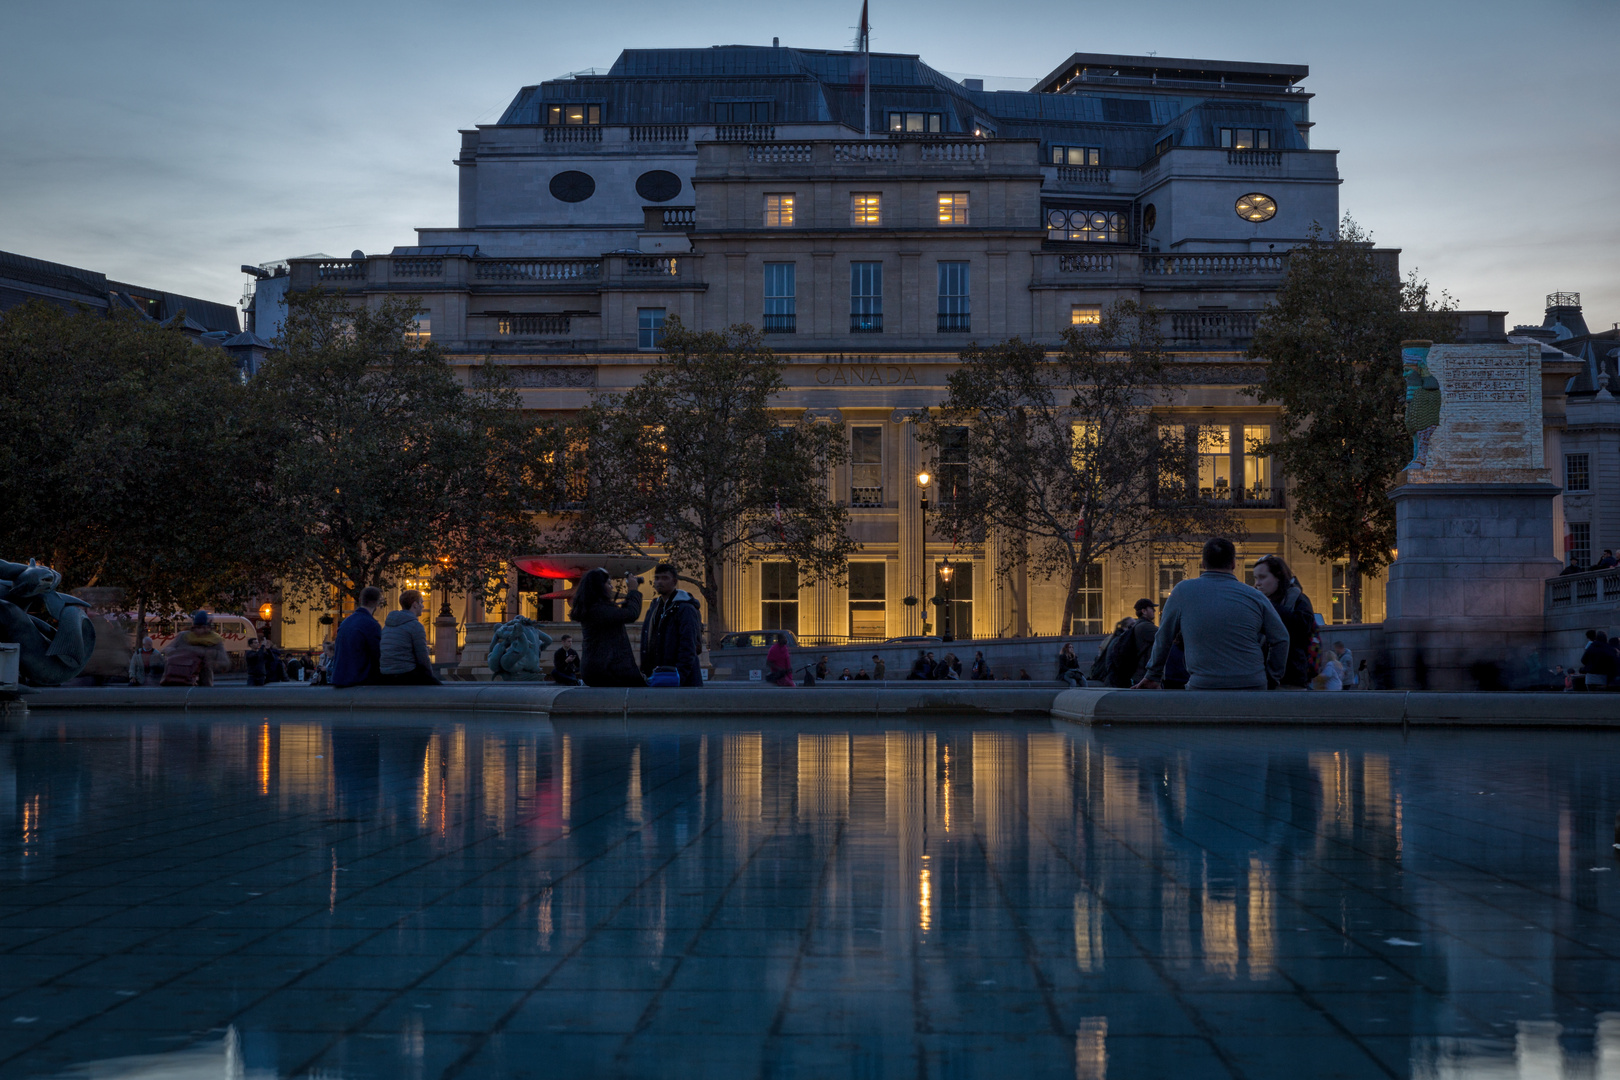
[[1233, 637], [402, 656]]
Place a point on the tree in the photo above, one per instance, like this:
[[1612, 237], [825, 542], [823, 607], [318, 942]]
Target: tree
[[1331, 343], [125, 458], [384, 462], [1064, 455], [694, 464]]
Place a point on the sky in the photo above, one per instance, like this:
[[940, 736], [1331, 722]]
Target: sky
[[166, 143]]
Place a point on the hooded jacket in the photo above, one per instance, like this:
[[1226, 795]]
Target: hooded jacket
[[671, 636], [403, 646], [206, 644]]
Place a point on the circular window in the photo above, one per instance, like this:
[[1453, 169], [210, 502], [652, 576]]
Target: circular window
[[572, 186], [1256, 207], [658, 185], [1150, 217]]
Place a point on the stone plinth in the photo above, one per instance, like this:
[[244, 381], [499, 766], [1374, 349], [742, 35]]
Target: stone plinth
[[1467, 585]]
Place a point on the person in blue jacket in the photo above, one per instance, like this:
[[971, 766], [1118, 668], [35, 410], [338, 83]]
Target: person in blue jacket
[[358, 642]]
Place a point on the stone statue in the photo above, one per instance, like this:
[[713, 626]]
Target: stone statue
[[1422, 400], [514, 655], [52, 629]]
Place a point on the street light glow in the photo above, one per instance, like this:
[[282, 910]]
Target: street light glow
[[922, 479]]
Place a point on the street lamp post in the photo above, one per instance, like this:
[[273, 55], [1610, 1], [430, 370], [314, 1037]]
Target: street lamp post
[[923, 480], [947, 624]]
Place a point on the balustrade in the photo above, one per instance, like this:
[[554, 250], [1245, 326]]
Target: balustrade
[[679, 217], [744, 133], [1098, 262], [1267, 159], [341, 270], [865, 151], [522, 325], [953, 151], [1084, 174], [1212, 264], [537, 269], [566, 134], [418, 268], [780, 154], [659, 133], [651, 266]]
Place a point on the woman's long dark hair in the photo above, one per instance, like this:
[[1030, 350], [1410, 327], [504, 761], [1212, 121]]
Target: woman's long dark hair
[[593, 589], [1279, 570]]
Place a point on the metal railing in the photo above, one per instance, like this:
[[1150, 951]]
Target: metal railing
[[658, 133], [1212, 264], [573, 134], [537, 269], [341, 270], [1100, 262], [1592, 588], [1265, 159], [744, 132], [1084, 174], [651, 266], [955, 324], [866, 324], [860, 495], [780, 153], [781, 324], [513, 325], [418, 268], [866, 151]]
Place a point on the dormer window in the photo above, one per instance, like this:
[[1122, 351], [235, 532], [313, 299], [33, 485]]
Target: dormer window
[[1246, 138], [917, 122], [1077, 155], [582, 113]]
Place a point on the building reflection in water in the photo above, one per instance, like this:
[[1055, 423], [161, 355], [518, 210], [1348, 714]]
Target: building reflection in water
[[1226, 862]]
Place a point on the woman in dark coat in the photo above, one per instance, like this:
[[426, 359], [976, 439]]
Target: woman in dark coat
[[607, 659], [1273, 578]]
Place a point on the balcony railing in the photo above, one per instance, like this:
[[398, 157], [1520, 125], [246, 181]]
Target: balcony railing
[[659, 133], [1264, 498], [865, 151], [341, 270], [781, 324], [866, 324], [1254, 498], [1592, 589], [1084, 174], [418, 268], [954, 150], [1091, 262], [524, 325], [1263, 159], [1212, 325], [579, 134], [1161, 265], [679, 217], [862, 495], [745, 132], [955, 324], [538, 269], [651, 266], [780, 154]]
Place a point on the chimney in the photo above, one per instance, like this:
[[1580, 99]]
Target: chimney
[[776, 43]]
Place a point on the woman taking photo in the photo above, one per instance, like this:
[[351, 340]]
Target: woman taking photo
[[1273, 578], [608, 660]]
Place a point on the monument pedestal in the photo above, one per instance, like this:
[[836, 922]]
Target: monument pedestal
[[1466, 587]]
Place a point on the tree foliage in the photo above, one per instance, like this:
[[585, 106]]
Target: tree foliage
[[1063, 455], [126, 458], [1331, 342], [383, 462], [695, 464]]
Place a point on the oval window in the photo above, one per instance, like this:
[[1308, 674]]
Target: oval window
[[658, 185], [572, 186]]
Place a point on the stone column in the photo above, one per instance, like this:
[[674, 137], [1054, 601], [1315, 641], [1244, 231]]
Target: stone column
[[910, 547]]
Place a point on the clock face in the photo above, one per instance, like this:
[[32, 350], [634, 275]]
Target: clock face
[[1257, 207]]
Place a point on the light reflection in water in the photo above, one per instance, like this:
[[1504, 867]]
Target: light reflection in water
[[1097, 865]]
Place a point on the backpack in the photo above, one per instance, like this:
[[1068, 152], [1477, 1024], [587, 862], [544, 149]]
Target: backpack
[[1099, 666], [182, 669], [1122, 657]]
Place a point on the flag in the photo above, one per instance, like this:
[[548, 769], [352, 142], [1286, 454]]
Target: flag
[[864, 43], [648, 534], [1080, 529]]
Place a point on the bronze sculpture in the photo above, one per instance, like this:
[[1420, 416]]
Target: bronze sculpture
[[52, 629]]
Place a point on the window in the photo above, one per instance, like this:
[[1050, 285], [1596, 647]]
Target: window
[[1076, 155], [1170, 575], [1341, 590], [867, 609], [953, 208], [1246, 138], [742, 112], [1256, 465], [1085, 314], [866, 298], [953, 465], [780, 304], [1173, 461], [1163, 144], [1215, 462], [581, 113], [650, 327], [866, 465], [779, 596], [953, 586], [954, 310], [1579, 543], [420, 332], [1087, 226], [915, 122], [779, 211], [1577, 472], [866, 209], [1088, 606]]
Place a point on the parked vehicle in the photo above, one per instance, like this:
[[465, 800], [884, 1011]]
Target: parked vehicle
[[237, 630]]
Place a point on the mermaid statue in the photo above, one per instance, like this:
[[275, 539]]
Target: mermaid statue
[[1422, 400], [514, 655], [52, 629]]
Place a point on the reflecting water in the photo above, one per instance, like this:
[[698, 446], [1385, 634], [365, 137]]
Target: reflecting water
[[423, 898]]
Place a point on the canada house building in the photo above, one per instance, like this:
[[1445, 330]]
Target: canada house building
[[736, 184]]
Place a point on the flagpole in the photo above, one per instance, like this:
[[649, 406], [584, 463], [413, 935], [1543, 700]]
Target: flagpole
[[866, 47]]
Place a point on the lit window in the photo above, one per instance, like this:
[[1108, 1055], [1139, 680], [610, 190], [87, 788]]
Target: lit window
[[778, 211], [1085, 315], [1246, 138], [916, 122], [866, 465], [779, 596], [780, 299], [1341, 591], [1088, 602], [650, 327], [1215, 461], [574, 114], [1577, 472], [1256, 464], [1077, 155], [1170, 575], [866, 600], [866, 209], [1093, 226], [420, 332], [953, 208]]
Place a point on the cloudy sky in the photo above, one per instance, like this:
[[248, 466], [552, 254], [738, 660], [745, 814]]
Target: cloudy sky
[[166, 143]]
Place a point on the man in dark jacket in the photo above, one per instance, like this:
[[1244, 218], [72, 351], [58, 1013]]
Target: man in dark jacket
[[1142, 635], [672, 632], [358, 642], [565, 663]]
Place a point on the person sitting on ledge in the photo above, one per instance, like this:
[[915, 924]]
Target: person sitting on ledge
[[846, 676], [1574, 567], [402, 654], [862, 676], [354, 646], [1607, 562], [565, 663], [1233, 636]]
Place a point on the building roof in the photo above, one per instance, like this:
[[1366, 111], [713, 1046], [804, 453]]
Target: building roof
[[1173, 69]]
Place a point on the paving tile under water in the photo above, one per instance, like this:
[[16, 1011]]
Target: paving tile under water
[[945, 899]]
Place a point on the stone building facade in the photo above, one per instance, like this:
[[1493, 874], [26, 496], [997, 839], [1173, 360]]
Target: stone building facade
[[735, 185]]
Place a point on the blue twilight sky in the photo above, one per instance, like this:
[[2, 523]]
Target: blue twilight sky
[[166, 143]]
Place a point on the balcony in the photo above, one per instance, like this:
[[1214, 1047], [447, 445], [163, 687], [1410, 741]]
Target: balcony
[[955, 323], [417, 268], [1595, 588], [1209, 328], [517, 270], [341, 270], [866, 324], [780, 324], [1213, 265], [866, 495], [533, 325]]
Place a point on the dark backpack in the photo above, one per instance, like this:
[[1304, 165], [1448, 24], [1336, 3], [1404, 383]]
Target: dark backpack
[[1122, 657], [182, 669], [1099, 666]]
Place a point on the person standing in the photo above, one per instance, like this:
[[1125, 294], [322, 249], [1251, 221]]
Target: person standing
[[565, 663], [779, 662], [1276, 582], [671, 634], [822, 668], [878, 667], [402, 654], [607, 660], [355, 645], [1234, 639]]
